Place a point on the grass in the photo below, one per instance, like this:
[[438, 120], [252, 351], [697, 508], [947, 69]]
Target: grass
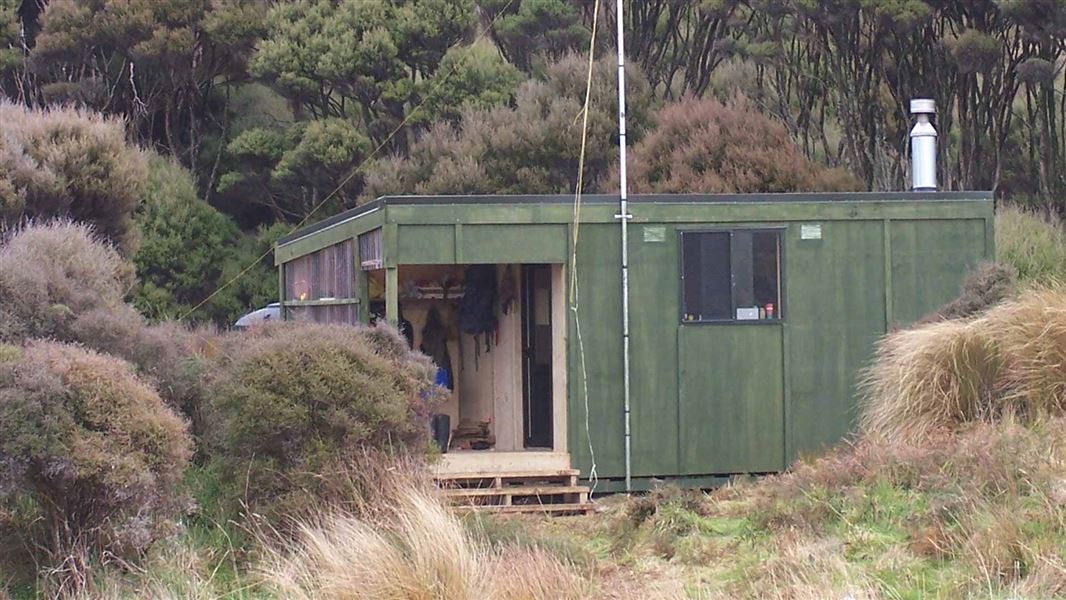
[[1034, 243], [973, 514]]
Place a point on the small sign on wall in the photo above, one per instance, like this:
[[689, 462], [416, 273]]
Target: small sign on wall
[[654, 233], [811, 231]]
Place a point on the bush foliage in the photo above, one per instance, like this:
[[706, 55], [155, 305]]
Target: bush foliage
[[528, 149], [92, 446], [52, 273], [289, 403], [985, 286], [58, 281], [705, 146], [71, 163]]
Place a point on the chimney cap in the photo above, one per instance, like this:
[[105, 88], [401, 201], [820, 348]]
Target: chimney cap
[[923, 106]]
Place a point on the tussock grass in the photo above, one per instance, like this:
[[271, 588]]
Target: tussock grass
[[933, 376], [419, 550], [1008, 361], [1032, 330]]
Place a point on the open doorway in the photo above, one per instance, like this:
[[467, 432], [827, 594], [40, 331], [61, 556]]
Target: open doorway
[[507, 387]]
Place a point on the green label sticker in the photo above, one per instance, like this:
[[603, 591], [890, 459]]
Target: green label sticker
[[811, 231], [654, 233]]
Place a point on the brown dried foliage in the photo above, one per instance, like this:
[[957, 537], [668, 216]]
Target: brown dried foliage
[[706, 146]]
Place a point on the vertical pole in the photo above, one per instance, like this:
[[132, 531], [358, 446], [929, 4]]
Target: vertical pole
[[361, 283], [281, 291], [392, 295], [624, 216]]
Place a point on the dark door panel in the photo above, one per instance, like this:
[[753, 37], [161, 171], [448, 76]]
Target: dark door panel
[[537, 356]]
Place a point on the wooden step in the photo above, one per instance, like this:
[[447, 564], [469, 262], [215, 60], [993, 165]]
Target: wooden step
[[554, 509], [517, 495], [543, 490], [499, 480], [553, 491]]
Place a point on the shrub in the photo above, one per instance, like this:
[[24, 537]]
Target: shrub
[[984, 287], [168, 355], [60, 282], [93, 448], [64, 162], [184, 243], [705, 146], [1034, 244], [292, 401], [51, 273], [528, 149]]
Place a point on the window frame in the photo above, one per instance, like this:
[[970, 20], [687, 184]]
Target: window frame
[[291, 307], [779, 230]]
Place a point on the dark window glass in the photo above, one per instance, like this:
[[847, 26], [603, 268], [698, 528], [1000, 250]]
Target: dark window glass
[[731, 275], [706, 276]]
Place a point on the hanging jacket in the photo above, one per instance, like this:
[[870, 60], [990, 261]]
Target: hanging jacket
[[435, 345]]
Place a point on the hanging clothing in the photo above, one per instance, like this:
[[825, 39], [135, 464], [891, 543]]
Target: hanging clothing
[[477, 311], [435, 346], [508, 290]]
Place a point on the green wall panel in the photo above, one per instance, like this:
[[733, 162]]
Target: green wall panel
[[654, 297], [835, 311], [426, 244], [929, 261], [600, 311], [732, 398], [511, 244]]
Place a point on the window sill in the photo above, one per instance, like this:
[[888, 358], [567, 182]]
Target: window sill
[[322, 302], [761, 322]]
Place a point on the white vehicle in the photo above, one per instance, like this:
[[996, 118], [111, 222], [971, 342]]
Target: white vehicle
[[269, 313]]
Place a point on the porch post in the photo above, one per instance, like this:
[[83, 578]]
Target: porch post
[[392, 295], [282, 292]]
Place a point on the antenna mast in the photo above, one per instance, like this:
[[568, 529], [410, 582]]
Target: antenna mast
[[624, 216]]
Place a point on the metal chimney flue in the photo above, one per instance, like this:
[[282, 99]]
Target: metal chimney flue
[[923, 146]]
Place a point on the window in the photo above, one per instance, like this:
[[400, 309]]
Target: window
[[731, 275], [320, 286]]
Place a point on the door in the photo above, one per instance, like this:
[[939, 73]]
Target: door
[[732, 399], [537, 356]]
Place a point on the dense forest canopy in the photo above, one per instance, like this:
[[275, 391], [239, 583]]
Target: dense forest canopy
[[262, 114]]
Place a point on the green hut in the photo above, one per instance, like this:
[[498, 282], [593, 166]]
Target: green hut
[[750, 316]]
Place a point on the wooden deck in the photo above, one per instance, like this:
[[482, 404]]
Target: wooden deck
[[458, 462], [512, 482]]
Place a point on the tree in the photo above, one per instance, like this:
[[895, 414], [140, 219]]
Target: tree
[[469, 77], [533, 32], [70, 163], [11, 53], [160, 65], [705, 146], [530, 148], [353, 59], [291, 171], [680, 44]]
